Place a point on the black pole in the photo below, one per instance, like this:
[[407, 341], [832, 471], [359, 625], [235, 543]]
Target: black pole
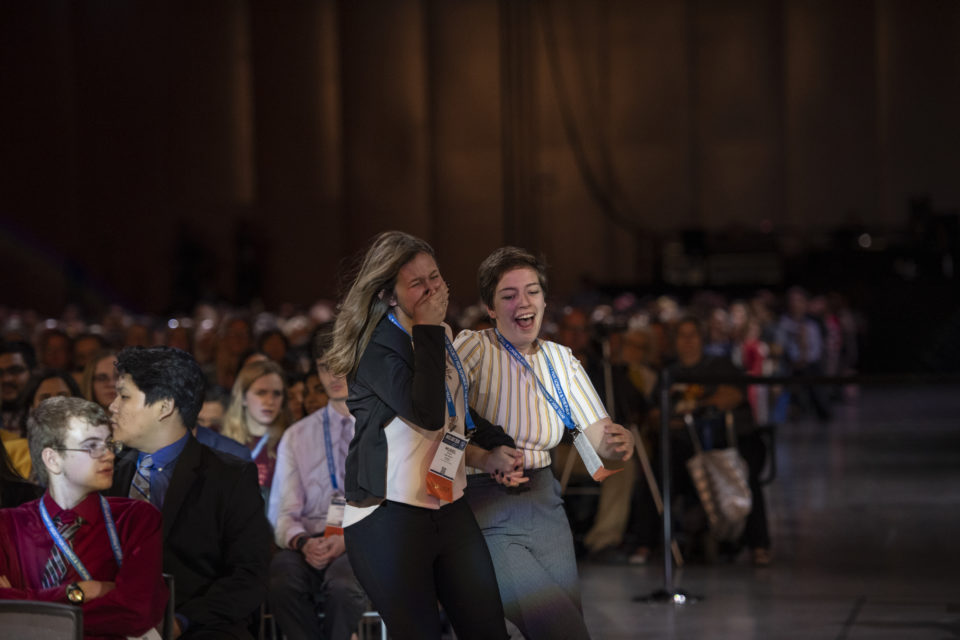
[[667, 593], [665, 481]]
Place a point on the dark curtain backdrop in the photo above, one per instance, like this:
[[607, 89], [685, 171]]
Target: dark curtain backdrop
[[157, 151]]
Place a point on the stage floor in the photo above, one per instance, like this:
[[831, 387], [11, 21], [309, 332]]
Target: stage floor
[[865, 521]]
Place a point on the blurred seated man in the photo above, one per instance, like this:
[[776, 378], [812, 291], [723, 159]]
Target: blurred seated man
[[17, 362], [306, 510], [609, 523], [696, 399], [210, 419], [56, 350], [85, 347], [72, 545], [216, 538]]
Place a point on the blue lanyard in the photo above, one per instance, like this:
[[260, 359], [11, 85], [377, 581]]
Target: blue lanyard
[[451, 407], [328, 443], [257, 449], [67, 550], [563, 407]]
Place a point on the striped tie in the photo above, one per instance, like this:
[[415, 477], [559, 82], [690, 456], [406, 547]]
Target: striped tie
[[140, 487], [56, 568]]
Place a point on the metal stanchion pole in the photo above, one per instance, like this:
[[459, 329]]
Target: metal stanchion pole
[[667, 593]]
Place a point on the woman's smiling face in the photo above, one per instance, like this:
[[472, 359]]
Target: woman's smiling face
[[518, 305]]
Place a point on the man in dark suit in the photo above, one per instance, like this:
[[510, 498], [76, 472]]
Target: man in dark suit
[[216, 537]]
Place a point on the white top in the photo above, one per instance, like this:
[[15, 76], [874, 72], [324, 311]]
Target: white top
[[410, 450], [505, 393], [302, 489]]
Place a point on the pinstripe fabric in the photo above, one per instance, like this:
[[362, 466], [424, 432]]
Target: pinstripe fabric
[[504, 392]]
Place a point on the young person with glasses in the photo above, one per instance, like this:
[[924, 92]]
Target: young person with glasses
[[74, 545]]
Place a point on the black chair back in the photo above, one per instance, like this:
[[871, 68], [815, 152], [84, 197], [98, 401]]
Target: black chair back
[[29, 620]]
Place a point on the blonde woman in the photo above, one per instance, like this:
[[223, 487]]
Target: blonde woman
[[257, 415], [410, 542], [99, 381]]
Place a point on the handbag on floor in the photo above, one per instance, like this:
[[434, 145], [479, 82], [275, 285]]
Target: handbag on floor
[[720, 477]]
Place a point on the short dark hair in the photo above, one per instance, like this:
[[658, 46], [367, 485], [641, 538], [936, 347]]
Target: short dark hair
[[694, 320], [34, 385], [48, 424], [506, 259], [25, 349], [166, 372]]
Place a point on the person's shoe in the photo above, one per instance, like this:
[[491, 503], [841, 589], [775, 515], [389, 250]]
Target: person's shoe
[[762, 557], [640, 556]]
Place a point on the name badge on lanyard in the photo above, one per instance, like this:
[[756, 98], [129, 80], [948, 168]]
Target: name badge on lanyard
[[446, 463], [337, 501]]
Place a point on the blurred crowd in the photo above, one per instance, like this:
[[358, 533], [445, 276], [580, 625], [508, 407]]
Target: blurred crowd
[[624, 342]]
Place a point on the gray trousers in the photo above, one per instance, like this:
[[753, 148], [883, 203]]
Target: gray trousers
[[529, 538], [296, 589]]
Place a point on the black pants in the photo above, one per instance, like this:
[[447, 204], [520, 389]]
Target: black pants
[[409, 558], [297, 589]]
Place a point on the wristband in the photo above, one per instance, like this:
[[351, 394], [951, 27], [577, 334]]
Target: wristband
[[299, 542]]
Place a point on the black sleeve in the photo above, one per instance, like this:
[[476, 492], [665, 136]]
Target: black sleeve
[[488, 435], [413, 394]]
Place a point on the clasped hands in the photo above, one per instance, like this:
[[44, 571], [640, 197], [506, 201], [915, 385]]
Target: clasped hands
[[319, 552]]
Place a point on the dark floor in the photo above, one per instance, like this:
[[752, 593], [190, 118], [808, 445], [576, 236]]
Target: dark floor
[[865, 519]]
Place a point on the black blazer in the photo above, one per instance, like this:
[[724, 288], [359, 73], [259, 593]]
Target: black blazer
[[397, 378], [216, 538]]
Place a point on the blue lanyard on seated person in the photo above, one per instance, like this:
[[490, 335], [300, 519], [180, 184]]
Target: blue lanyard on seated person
[[257, 449], [67, 550], [563, 407], [328, 444], [451, 407]]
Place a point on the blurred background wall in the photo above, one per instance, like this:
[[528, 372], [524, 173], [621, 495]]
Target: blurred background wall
[[158, 152]]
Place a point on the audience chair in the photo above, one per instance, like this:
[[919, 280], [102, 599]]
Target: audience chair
[[168, 617], [364, 630], [30, 620]]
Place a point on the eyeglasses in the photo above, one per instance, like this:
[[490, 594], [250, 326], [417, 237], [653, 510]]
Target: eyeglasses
[[99, 449], [13, 370]]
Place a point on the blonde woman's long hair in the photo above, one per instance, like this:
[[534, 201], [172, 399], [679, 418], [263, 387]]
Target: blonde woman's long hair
[[235, 420], [368, 299]]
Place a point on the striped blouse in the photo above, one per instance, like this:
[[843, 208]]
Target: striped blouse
[[503, 391]]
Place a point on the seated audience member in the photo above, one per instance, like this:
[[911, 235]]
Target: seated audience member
[[235, 338], [45, 385], [85, 347], [801, 339], [701, 399], [210, 421], [216, 538], [14, 490], [274, 344], [100, 379], [312, 567], [257, 415], [314, 394], [295, 390], [56, 350], [17, 361], [48, 384], [120, 588], [609, 523]]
